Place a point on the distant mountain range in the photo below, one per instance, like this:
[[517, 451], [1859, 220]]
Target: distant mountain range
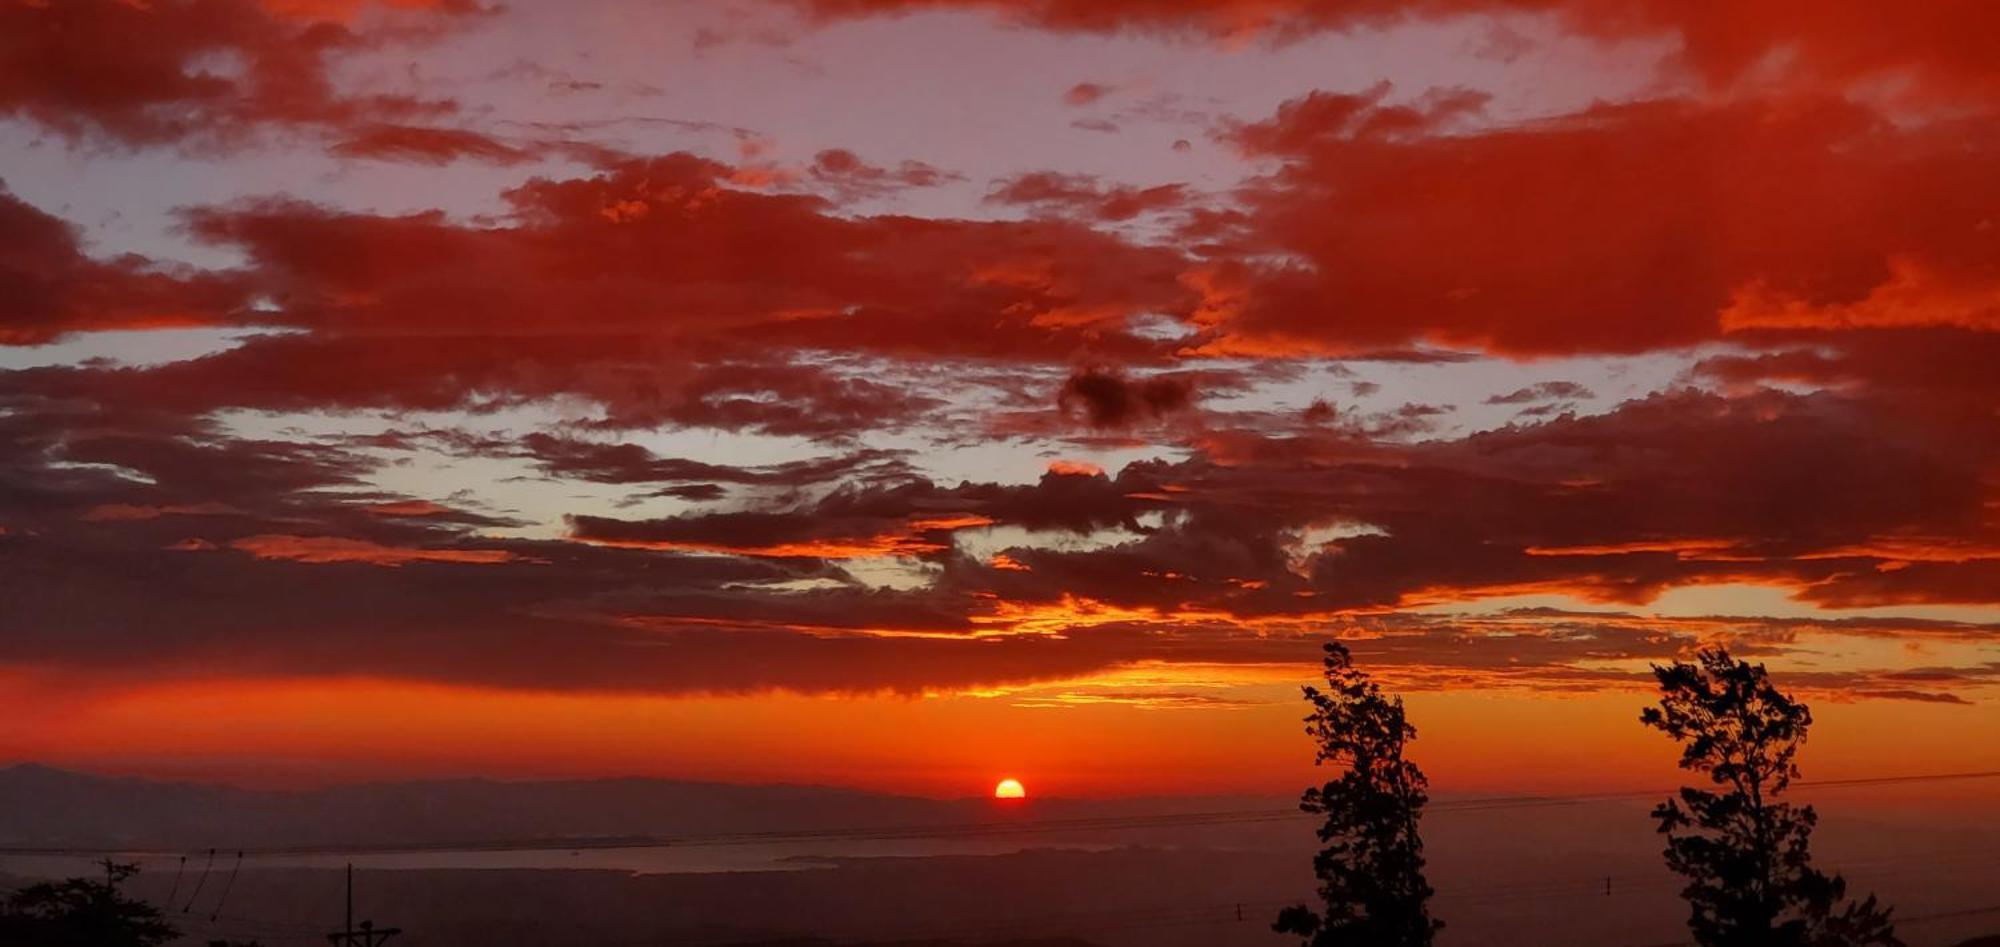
[[44, 806]]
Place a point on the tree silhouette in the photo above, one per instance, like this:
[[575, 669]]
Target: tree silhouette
[[81, 912], [1371, 870], [1744, 852]]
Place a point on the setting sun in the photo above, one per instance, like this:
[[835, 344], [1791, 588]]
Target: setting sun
[[1010, 789]]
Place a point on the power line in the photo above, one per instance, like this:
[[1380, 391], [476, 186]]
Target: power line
[[189, 906], [233, 872]]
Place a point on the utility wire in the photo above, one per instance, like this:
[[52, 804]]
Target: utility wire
[[189, 906], [233, 872], [178, 869]]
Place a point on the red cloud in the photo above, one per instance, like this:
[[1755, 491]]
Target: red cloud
[[715, 285], [1947, 45], [779, 536], [1083, 196], [1085, 93], [427, 145], [851, 177], [1074, 468], [328, 549], [49, 287], [667, 248], [74, 67], [1624, 228]]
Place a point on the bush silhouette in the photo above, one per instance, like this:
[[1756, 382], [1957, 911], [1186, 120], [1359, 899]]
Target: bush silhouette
[[82, 912]]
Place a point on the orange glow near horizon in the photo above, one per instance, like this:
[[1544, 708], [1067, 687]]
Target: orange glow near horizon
[[293, 732]]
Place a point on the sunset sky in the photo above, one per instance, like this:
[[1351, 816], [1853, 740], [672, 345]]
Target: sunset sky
[[910, 393]]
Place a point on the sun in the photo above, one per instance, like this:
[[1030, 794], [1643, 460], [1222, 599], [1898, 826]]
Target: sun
[[1010, 789]]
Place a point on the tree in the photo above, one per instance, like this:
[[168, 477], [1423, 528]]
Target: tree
[[1371, 870], [82, 912], [1744, 851]]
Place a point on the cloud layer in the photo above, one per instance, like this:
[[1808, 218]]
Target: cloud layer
[[829, 418]]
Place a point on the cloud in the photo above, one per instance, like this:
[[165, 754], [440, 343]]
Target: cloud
[[906, 518], [1684, 218], [1105, 398], [427, 145], [153, 547], [851, 177], [1082, 195], [50, 288], [329, 549], [1822, 259], [1543, 391], [1087, 93], [1941, 45], [779, 535], [599, 462], [72, 67], [700, 297]]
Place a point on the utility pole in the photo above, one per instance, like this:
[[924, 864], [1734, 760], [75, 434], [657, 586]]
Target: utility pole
[[367, 935]]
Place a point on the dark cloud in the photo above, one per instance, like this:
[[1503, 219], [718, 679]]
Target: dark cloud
[[1106, 398], [1543, 391], [569, 458], [427, 145], [1086, 197]]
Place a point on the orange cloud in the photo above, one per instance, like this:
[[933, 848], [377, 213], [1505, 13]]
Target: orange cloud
[[916, 537], [331, 549], [1074, 468], [1914, 295], [127, 512]]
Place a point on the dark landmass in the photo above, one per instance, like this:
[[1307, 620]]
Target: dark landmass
[[41, 805], [1125, 898]]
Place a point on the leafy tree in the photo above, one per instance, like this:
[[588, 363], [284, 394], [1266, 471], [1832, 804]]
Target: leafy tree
[[1745, 852], [82, 912], [1371, 870]]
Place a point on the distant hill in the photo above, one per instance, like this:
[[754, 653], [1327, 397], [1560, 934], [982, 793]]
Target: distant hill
[[40, 805], [1058, 942]]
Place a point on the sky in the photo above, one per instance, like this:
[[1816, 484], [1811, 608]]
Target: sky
[[906, 394]]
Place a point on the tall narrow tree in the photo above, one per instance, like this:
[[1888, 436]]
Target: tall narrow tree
[[1371, 868], [1744, 852]]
